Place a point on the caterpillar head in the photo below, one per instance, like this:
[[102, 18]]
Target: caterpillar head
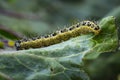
[[17, 45]]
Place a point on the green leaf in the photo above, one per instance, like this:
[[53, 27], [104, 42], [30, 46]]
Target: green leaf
[[110, 66], [4, 77], [63, 61], [107, 40]]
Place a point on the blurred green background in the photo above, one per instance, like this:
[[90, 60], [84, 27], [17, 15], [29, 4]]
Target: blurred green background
[[30, 18]]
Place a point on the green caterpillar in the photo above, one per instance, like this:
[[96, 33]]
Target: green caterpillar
[[83, 27]]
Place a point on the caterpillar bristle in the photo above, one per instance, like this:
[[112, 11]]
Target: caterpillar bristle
[[83, 23], [88, 24], [39, 37], [19, 41], [78, 25], [71, 28], [96, 28], [24, 40], [54, 34], [63, 30], [34, 38], [30, 39], [46, 36]]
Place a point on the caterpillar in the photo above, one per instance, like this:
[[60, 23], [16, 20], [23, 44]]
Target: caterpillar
[[80, 28]]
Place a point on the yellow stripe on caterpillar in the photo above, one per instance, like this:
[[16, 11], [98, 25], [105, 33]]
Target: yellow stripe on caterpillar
[[83, 27]]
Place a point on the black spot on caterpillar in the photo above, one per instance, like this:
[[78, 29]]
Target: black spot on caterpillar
[[83, 27]]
